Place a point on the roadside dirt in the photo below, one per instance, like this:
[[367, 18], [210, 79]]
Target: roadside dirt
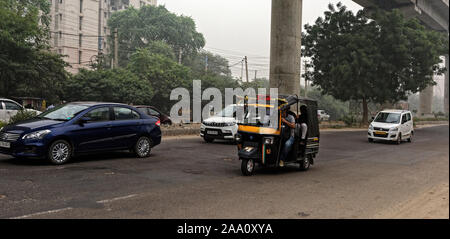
[[431, 204]]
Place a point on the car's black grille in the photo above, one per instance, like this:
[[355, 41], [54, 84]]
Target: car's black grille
[[9, 137], [381, 135], [381, 129], [213, 124]]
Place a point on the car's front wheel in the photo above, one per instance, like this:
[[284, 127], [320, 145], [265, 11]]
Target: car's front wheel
[[208, 139], [60, 152], [399, 139], [143, 147]]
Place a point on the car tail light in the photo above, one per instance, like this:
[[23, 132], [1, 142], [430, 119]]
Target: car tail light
[[158, 123]]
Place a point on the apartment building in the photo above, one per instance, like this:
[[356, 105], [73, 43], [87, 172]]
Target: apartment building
[[79, 28]]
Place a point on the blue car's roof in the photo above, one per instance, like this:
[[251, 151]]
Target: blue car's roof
[[92, 103]]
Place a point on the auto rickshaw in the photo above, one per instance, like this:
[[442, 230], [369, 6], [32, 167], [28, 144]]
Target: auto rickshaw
[[261, 143]]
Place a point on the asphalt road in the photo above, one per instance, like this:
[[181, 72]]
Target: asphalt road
[[187, 178]]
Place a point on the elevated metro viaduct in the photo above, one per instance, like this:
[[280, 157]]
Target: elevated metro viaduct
[[286, 40]]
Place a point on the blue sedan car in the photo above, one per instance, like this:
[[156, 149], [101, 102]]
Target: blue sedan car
[[81, 127]]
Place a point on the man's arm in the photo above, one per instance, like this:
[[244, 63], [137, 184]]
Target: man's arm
[[291, 125]]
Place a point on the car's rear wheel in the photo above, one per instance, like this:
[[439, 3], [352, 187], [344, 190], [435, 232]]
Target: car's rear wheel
[[143, 147], [60, 152], [247, 167], [410, 138]]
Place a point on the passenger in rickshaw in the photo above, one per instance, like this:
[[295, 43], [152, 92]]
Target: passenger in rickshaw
[[288, 120], [303, 121]]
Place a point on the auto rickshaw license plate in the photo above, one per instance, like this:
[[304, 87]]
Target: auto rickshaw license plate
[[380, 132]]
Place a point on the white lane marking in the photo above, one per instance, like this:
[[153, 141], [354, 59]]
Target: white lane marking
[[116, 199], [43, 213]]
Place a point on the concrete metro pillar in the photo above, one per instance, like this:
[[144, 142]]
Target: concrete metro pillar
[[446, 85], [285, 46], [426, 101]]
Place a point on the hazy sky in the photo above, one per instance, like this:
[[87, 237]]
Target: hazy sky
[[235, 28]]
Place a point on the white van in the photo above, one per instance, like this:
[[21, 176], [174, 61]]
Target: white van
[[392, 125], [220, 126], [9, 108]]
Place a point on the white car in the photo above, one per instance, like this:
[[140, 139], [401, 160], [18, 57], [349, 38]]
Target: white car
[[392, 125], [220, 126], [9, 108], [322, 115]]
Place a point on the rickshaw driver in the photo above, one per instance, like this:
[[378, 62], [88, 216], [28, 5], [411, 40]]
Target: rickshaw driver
[[289, 121]]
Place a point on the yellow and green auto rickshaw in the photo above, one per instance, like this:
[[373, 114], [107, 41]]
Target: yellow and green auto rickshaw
[[261, 142]]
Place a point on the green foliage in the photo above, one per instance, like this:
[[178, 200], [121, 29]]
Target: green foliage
[[161, 73], [137, 28], [380, 60], [335, 108], [3, 124], [217, 65], [22, 115], [26, 67], [118, 85]]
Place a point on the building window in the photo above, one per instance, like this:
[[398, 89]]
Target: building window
[[81, 6], [60, 1], [106, 14], [81, 23], [60, 17], [104, 30], [80, 40], [60, 34], [79, 56]]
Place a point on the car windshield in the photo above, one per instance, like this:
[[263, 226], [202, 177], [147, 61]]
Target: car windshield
[[63, 112], [385, 117], [229, 111], [260, 116]]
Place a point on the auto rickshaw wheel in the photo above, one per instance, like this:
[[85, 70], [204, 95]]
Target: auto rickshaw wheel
[[306, 163], [247, 167]]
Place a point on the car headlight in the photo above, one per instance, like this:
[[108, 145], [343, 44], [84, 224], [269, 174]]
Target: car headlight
[[394, 129], [230, 124], [1, 128], [238, 137], [371, 127], [37, 135], [268, 140]]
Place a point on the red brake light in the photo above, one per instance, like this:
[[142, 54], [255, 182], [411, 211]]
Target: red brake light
[[158, 123], [261, 97]]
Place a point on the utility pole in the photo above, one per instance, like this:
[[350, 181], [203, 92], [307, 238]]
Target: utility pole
[[116, 49], [246, 67], [256, 71], [180, 53], [242, 69], [206, 63]]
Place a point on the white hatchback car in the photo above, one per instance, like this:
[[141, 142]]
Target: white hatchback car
[[392, 125], [220, 126], [9, 108]]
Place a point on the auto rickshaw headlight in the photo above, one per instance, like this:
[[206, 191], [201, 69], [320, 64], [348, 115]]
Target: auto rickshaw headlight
[[268, 140]]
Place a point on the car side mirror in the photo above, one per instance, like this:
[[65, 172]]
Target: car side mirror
[[84, 120]]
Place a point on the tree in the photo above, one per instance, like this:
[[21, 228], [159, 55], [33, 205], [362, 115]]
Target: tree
[[162, 73], [118, 85], [137, 28], [383, 59], [26, 65], [217, 65]]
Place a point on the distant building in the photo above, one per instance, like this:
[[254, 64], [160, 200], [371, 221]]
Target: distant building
[[79, 27]]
